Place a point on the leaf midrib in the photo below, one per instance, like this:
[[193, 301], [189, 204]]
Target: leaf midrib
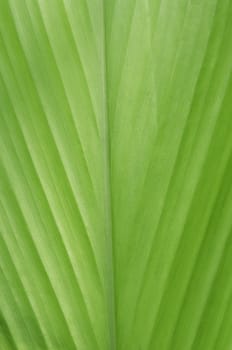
[[110, 266]]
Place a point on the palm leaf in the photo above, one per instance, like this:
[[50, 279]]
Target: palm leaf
[[115, 175]]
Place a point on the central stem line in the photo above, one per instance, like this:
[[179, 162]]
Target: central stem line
[[108, 200]]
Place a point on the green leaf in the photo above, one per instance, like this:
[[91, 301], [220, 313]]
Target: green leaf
[[116, 168]]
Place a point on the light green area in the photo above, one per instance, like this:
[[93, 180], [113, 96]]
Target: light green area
[[116, 174]]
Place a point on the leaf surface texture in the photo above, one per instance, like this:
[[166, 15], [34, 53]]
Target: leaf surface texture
[[116, 173]]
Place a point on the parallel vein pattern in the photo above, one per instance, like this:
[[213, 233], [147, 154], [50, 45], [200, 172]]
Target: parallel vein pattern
[[116, 168]]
